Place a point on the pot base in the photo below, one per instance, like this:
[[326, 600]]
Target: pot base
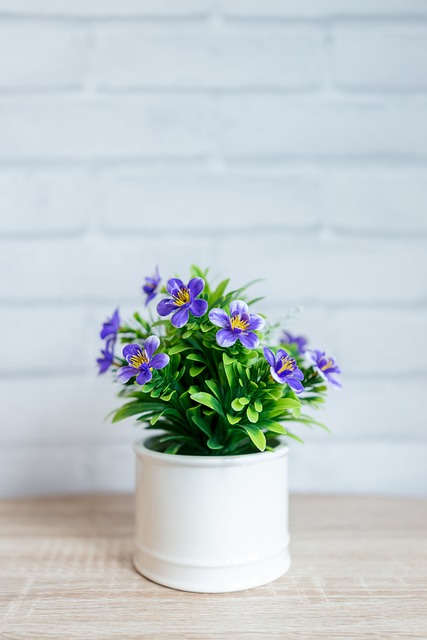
[[202, 579]]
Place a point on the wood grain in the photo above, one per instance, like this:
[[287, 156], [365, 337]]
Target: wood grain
[[359, 571]]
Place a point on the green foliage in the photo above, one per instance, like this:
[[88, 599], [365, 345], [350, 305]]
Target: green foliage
[[210, 400]]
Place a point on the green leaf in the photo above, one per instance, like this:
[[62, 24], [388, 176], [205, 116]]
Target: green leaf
[[128, 410], [229, 374], [199, 420], [208, 400], [236, 404], [272, 425], [214, 387], [206, 327], [244, 400], [219, 291], [167, 396], [289, 403], [226, 359], [311, 421], [294, 437], [256, 435], [173, 449], [233, 419], [194, 371], [252, 414], [212, 444], [155, 418], [193, 389], [258, 406], [178, 348], [255, 300], [195, 356], [187, 334]]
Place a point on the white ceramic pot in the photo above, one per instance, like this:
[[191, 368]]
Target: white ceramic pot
[[211, 523]]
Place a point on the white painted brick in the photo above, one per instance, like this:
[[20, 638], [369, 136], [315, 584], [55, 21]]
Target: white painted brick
[[94, 269], [42, 201], [314, 9], [77, 127], [396, 467], [375, 59], [112, 468], [301, 270], [203, 201], [283, 126], [43, 340], [129, 58], [375, 199], [369, 409], [106, 8], [32, 471], [63, 410], [42, 56], [382, 342]]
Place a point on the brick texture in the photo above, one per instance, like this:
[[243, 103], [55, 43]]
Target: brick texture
[[281, 140]]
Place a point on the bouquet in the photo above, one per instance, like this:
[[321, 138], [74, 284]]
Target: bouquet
[[205, 375]]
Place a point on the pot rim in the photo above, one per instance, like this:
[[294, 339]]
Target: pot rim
[[142, 451]]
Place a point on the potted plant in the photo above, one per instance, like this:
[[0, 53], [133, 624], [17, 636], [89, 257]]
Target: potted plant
[[219, 403]]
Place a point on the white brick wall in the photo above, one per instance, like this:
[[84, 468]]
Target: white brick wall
[[284, 140]]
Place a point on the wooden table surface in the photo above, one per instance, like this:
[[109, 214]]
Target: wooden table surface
[[359, 571]]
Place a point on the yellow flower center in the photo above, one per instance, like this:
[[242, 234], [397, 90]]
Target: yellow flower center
[[237, 323], [328, 365], [182, 297], [139, 360], [287, 364]]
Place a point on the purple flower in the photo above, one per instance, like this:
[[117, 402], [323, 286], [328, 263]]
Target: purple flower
[[299, 341], [325, 366], [141, 361], [111, 326], [150, 286], [239, 325], [184, 301], [284, 369], [107, 356]]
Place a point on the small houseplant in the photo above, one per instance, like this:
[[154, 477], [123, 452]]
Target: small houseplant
[[218, 401]]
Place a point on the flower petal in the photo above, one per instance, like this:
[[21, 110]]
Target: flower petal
[[125, 373], [159, 361], [174, 285], [269, 356], [149, 298], [151, 345], [256, 322], [165, 307], [294, 384], [281, 353], [180, 318], [297, 373], [226, 338], [131, 350], [276, 376], [144, 376], [198, 307], [196, 286], [249, 340], [238, 307], [104, 364], [219, 318]]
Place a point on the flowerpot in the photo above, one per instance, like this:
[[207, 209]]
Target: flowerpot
[[211, 524]]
